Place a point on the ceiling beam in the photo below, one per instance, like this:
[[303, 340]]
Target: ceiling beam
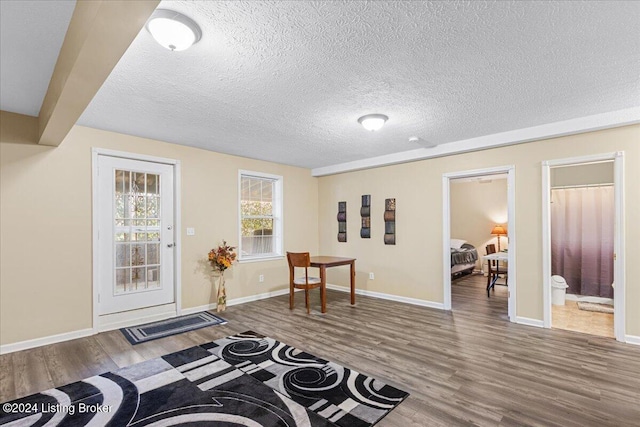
[[18, 128], [628, 116], [99, 33]]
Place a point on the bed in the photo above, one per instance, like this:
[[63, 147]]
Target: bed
[[463, 258]]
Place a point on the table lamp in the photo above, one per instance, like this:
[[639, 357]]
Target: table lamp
[[499, 231]]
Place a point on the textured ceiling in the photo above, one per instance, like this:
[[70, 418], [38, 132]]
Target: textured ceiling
[[31, 34], [287, 81]]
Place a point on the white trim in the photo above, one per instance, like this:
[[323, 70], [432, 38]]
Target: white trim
[[619, 235], [261, 259], [510, 170], [94, 238], [133, 156], [619, 295], [595, 122], [632, 339], [390, 297], [530, 322], [546, 243], [67, 336], [177, 227], [177, 222], [51, 339]]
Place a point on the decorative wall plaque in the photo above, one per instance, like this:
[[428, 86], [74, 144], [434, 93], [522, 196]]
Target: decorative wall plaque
[[365, 213], [390, 222], [342, 221]]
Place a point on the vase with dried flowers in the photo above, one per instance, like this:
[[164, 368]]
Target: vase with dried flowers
[[222, 258]]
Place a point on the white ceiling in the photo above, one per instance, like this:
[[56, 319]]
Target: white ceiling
[[287, 81]]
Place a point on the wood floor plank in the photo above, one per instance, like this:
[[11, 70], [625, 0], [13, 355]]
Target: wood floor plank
[[466, 367], [30, 374], [7, 384], [118, 348]]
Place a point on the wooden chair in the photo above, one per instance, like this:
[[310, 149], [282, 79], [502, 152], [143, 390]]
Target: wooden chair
[[494, 268], [301, 260]]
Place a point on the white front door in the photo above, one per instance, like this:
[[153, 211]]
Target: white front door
[[135, 234]]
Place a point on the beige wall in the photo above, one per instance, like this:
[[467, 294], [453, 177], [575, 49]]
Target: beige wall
[[476, 207], [46, 241], [413, 268]]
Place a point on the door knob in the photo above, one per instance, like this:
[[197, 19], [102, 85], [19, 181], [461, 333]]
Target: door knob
[[170, 245]]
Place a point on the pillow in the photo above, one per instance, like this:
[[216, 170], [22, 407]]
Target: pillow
[[457, 243]]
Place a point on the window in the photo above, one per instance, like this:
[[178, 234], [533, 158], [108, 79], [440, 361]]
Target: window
[[260, 215]]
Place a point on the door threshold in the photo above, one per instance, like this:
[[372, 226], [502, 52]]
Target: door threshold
[[109, 322]]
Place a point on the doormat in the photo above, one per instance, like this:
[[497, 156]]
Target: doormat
[[244, 380], [164, 328], [593, 306]]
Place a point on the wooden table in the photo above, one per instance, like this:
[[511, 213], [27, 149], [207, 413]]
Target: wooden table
[[498, 256], [322, 262]]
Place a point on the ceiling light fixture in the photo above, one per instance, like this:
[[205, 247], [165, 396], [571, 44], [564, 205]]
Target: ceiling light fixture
[[373, 122], [173, 30]]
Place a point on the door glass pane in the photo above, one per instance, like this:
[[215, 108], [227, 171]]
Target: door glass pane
[[152, 207], [153, 182], [138, 279], [122, 255], [153, 257], [153, 277], [137, 200], [121, 206], [123, 278]]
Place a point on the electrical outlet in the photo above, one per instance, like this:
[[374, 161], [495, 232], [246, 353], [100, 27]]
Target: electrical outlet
[[371, 276], [191, 231], [261, 278]]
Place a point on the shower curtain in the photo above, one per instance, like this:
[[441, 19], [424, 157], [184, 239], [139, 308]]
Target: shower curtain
[[582, 239]]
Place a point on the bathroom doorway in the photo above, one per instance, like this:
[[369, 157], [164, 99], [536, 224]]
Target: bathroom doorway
[[582, 234]]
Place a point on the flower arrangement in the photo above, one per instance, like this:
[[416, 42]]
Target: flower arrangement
[[222, 257]]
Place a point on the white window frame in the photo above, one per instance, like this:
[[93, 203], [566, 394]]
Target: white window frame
[[278, 203]]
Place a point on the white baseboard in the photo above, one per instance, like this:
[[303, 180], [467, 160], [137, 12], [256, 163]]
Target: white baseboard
[[51, 339], [632, 339], [529, 322], [237, 301], [406, 300]]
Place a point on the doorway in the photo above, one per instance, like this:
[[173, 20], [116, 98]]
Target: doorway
[[509, 256], [134, 240], [582, 241]]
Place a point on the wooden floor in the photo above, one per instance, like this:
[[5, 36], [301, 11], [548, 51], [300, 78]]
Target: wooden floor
[[466, 367]]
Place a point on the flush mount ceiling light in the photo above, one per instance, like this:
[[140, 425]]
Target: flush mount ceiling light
[[373, 122], [173, 30]]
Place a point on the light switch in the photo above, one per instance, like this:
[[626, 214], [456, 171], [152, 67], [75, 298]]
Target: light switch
[[191, 231]]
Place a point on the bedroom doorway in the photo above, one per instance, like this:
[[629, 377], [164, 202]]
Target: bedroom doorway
[[582, 242], [468, 242]]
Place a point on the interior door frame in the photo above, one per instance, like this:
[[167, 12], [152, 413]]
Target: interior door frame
[[95, 153], [510, 170], [618, 235]]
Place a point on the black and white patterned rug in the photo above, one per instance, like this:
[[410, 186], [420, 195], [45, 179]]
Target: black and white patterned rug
[[243, 380]]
